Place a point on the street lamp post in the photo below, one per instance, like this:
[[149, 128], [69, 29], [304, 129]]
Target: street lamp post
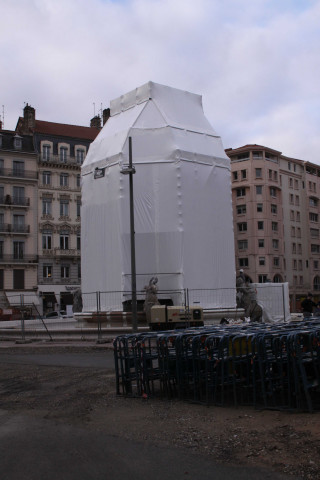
[[130, 170]]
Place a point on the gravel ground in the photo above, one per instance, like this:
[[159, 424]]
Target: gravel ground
[[284, 442]]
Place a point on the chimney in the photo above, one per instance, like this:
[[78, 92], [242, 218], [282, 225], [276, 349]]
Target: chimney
[[95, 122], [29, 119], [105, 115]]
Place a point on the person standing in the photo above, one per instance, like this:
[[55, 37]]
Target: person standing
[[307, 305]]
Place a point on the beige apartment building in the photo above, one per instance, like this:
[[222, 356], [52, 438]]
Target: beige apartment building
[[276, 219], [60, 151], [18, 215]]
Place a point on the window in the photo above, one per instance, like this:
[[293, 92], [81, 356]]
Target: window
[[64, 208], [243, 174], [276, 261], [294, 264], [242, 244], [17, 142], [296, 184], [1, 166], [293, 232], [300, 265], [292, 215], [258, 173], [298, 232], [46, 178], [299, 248], [235, 176], [259, 207], [289, 165], [78, 180], [262, 261], [260, 225], [316, 283], [1, 251], [261, 242], [298, 216], [46, 152], [80, 156], [64, 179], [294, 248], [65, 271], [274, 226], [46, 206], [316, 265], [273, 192], [313, 217], [242, 227], [64, 242], [18, 250], [18, 223], [47, 271], [297, 200], [270, 174], [274, 208], [78, 242], [78, 207], [259, 189], [79, 270], [257, 154], [63, 154], [47, 241], [241, 209], [315, 248], [18, 196], [314, 232], [241, 192], [275, 176], [243, 262], [262, 278], [18, 168], [291, 199], [291, 182], [313, 202]]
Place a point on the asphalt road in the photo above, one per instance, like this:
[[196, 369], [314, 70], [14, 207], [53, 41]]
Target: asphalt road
[[33, 447], [81, 360], [37, 449]]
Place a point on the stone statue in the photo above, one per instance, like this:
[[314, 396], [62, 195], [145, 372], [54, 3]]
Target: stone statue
[[77, 301], [151, 297]]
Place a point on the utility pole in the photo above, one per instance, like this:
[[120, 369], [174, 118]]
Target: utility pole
[[130, 170]]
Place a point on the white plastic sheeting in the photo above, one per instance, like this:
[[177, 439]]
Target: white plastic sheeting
[[274, 300], [182, 197]]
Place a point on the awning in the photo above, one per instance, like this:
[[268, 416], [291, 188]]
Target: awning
[[22, 298]]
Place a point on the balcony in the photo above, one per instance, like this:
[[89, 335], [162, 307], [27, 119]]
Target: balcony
[[61, 252], [9, 228], [58, 160], [14, 201], [18, 173], [20, 258]]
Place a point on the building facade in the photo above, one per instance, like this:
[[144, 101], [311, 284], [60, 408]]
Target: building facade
[[276, 219], [60, 150], [18, 213]]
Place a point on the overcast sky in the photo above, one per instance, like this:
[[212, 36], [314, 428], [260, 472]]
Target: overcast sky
[[256, 63]]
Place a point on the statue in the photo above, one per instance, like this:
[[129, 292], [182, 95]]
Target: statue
[[77, 301], [151, 297]]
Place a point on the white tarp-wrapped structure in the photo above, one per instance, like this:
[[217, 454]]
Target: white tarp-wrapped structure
[[182, 197]]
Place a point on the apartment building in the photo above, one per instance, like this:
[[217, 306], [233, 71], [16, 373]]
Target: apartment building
[[275, 206], [18, 213], [60, 151]]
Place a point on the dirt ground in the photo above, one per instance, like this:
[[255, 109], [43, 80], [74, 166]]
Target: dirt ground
[[285, 442]]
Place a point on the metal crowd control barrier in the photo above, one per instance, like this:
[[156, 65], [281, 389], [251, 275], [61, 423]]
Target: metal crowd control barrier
[[266, 366]]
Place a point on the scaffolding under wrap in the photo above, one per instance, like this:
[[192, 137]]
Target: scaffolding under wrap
[[182, 197]]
